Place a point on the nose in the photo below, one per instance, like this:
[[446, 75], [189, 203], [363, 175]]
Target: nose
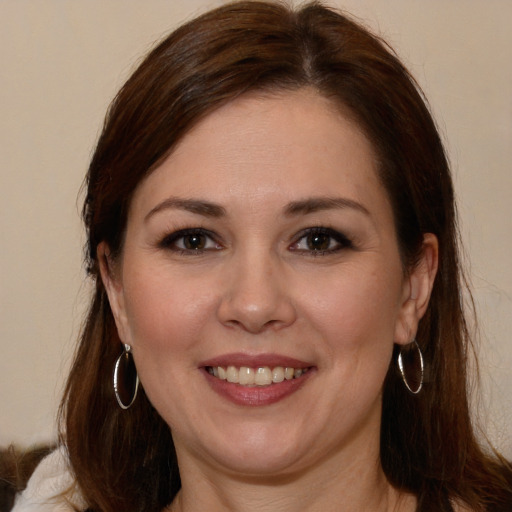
[[257, 294]]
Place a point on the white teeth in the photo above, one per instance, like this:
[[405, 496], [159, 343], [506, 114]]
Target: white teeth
[[278, 374], [232, 375], [261, 376], [246, 376]]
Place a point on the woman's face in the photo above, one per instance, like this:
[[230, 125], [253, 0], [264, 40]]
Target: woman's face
[[263, 250]]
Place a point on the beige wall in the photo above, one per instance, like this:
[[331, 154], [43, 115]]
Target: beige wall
[[62, 61]]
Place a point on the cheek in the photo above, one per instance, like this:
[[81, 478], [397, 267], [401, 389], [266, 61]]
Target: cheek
[[164, 312], [167, 320], [355, 307], [356, 315]]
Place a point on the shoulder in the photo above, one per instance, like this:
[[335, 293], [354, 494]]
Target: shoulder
[[51, 487]]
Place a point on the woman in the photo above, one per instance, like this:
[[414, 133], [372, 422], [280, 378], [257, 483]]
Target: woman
[[272, 233]]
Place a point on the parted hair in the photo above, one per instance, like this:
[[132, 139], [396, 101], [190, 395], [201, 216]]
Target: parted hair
[[125, 460]]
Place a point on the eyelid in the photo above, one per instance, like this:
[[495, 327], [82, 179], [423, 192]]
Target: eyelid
[[169, 241], [342, 241]]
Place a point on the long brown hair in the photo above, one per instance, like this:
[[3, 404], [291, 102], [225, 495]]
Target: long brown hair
[[125, 460]]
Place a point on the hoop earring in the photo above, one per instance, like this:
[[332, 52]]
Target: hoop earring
[[126, 380], [410, 363]]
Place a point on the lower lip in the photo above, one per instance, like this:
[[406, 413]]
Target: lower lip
[[257, 395]]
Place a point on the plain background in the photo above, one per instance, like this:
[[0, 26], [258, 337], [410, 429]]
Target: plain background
[[61, 62]]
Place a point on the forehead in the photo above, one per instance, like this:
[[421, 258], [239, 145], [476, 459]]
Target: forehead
[[288, 145]]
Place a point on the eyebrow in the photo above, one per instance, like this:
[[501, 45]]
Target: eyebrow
[[302, 207], [316, 204], [204, 208]]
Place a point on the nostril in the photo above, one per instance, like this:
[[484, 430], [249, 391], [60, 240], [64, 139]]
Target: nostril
[[254, 325]]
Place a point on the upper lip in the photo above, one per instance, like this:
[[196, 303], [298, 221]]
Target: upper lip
[[239, 359]]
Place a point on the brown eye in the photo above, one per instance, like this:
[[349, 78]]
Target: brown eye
[[194, 242], [190, 241], [321, 241], [318, 241]]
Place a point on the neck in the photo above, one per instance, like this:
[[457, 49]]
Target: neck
[[351, 487]]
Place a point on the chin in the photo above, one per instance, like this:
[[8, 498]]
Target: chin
[[261, 463], [255, 451]]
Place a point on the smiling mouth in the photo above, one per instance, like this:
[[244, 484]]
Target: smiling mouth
[[251, 377]]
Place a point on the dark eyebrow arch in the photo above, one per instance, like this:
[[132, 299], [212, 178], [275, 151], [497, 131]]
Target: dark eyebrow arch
[[204, 208], [315, 204]]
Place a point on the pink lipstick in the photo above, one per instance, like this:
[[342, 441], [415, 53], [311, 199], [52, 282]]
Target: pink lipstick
[[256, 380]]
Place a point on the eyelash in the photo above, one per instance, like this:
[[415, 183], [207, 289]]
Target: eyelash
[[341, 241], [171, 241]]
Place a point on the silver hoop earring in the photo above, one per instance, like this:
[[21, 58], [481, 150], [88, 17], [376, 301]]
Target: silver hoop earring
[[410, 363], [126, 380]]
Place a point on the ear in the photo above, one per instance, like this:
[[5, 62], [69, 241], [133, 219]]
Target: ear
[[111, 278], [417, 288]]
